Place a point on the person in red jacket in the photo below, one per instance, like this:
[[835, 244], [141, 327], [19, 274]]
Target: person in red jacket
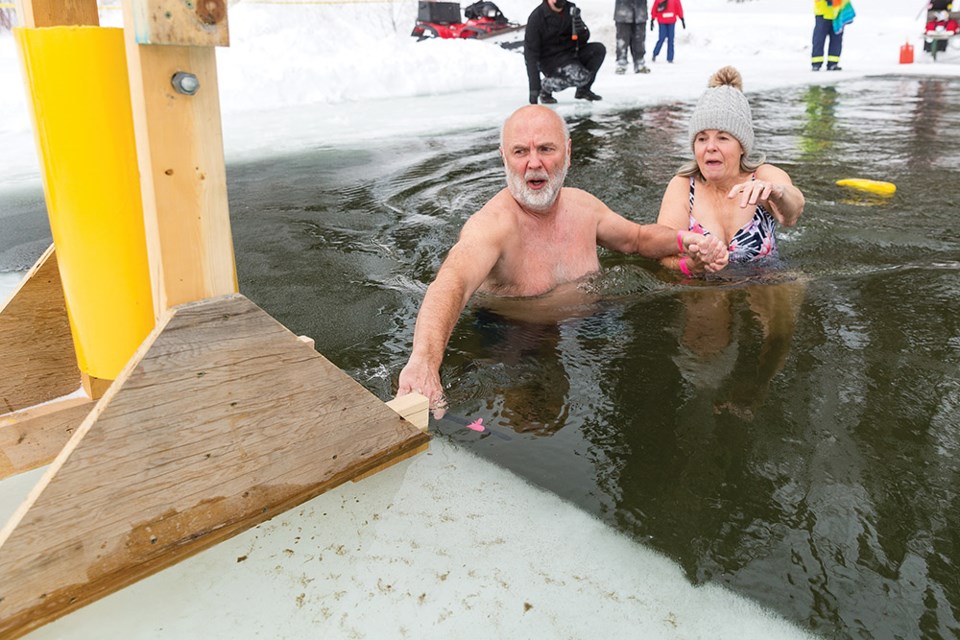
[[666, 12]]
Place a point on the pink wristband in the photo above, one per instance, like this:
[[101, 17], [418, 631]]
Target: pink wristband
[[684, 268], [680, 240]]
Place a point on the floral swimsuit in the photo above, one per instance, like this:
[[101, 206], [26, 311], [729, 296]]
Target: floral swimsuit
[[753, 241]]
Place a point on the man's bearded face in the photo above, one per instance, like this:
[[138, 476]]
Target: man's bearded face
[[540, 199]]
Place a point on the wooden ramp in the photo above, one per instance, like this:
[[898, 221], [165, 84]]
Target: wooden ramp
[[33, 437], [37, 361], [221, 420]]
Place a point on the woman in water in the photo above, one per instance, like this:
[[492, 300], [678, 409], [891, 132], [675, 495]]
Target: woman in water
[[727, 191]]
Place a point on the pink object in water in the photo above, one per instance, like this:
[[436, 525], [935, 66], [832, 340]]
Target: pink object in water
[[476, 425]]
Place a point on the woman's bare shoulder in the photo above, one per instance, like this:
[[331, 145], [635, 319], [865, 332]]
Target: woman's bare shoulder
[[771, 172]]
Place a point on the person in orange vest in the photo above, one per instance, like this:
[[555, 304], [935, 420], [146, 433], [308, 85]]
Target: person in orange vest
[[824, 12]]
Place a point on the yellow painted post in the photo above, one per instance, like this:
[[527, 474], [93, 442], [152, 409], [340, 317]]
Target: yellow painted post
[[77, 81]]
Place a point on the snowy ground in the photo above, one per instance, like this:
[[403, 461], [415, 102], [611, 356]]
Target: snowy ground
[[442, 546]]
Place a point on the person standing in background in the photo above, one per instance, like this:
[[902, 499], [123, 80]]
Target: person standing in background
[[630, 17], [830, 17], [666, 13]]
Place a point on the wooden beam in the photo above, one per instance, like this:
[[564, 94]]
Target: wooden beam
[[94, 387], [197, 23], [56, 13], [182, 172], [222, 419], [414, 408], [37, 359], [33, 437]]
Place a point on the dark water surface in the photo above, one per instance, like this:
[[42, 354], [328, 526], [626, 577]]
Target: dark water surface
[[798, 442], [796, 439]]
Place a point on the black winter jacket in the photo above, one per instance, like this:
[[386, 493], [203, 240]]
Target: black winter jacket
[[630, 11], [548, 42]]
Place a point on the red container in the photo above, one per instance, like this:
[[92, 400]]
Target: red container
[[906, 53]]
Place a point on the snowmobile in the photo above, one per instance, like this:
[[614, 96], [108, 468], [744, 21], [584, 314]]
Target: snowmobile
[[942, 26], [484, 21]]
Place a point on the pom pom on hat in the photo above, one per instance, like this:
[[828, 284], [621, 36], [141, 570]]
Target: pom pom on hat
[[724, 107]]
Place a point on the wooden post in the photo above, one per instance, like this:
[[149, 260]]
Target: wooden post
[[57, 13], [180, 148]]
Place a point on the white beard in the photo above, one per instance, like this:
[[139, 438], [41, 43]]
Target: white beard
[[536, 200]]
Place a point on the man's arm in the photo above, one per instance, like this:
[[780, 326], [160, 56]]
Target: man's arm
[[463, 271], [675, 214], [654, 240]]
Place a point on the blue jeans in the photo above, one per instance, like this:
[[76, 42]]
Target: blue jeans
[[666, 33]]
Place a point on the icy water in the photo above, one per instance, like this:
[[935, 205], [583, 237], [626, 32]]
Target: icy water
[[793, 436]]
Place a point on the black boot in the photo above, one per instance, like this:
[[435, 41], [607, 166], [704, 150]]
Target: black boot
[[585, 94], [547, 98]]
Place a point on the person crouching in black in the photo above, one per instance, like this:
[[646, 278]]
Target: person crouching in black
[[555, 43]]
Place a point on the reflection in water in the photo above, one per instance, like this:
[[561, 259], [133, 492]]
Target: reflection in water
[[927, 120], [713, 357], [535, 398], [818, 132]]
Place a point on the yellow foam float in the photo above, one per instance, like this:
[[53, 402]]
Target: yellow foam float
[[871, 186]]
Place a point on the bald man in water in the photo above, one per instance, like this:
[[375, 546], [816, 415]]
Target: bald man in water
[[532, 237]]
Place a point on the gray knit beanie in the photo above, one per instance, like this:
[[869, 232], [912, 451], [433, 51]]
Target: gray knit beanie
[[724, 107]]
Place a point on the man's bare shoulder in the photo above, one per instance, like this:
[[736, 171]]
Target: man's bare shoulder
[[584, 204], [501, 204], [497, 217], [581, 197]]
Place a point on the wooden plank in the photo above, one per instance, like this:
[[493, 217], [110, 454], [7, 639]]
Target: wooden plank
[[198, 23], [94, 387], [386, 465], [221, 420], [415, 409], [37, 359], [33, 437], [182, 173], [55, 13]]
